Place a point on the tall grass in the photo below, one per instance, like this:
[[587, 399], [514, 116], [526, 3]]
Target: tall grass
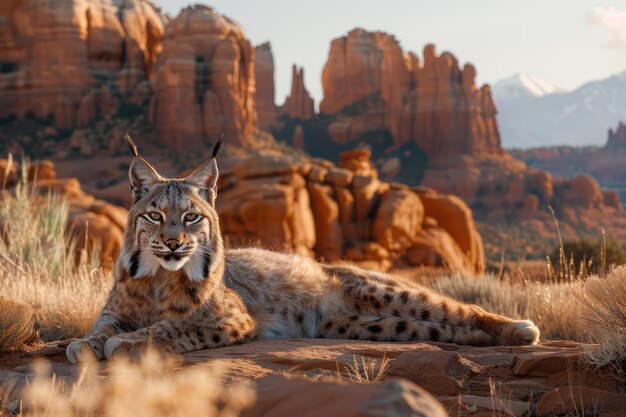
[[554, 307], [38, 268]]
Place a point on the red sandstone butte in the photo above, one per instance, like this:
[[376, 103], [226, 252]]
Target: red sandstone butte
[[204, 80], [434, 103]]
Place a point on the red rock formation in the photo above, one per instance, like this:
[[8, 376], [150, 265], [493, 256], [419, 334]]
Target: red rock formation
[[204, 81], [265, 91], [436, 104], [299, 104], [52, 56], [345, 211], [297, 139], [617, 139]]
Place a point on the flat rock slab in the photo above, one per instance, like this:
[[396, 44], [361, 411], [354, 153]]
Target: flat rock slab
[[468, 380]]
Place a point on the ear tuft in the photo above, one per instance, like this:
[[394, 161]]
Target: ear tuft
[[217, 146], [131, 144]]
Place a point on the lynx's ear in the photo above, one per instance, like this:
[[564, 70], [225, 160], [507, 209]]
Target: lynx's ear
[[205, 176], [141, 174]]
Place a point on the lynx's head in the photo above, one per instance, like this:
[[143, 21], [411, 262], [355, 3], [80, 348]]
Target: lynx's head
[[172, 223]]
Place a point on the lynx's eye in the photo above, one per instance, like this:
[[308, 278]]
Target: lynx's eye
[[192, 218], [154, 216]]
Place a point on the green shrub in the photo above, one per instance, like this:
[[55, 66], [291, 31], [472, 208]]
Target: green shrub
[[586, 254]]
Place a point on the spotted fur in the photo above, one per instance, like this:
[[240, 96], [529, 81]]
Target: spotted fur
[[179, 290]]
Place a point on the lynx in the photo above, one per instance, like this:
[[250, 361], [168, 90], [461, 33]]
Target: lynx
[[177, 289]]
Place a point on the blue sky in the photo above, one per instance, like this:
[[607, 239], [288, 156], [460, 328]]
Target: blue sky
[[564, 42]]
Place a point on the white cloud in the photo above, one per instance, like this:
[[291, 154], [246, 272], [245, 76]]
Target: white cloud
[[614, 20]]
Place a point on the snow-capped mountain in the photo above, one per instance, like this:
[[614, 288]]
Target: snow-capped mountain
[[522, 85], [548, 117]]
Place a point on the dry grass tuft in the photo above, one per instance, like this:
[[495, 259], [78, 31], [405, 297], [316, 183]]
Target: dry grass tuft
[[17, 324], [149, 388], [603, 301], [37, 265], [364, 371]]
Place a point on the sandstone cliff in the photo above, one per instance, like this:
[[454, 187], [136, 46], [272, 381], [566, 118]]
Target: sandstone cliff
[[204, 81], [55, 59], [370, 84], [265, 90], [75, 62]]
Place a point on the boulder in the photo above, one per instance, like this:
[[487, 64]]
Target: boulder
[[435, 247], [399, 217], [344, 212], [279, 395], [328, 232], [454, 216]]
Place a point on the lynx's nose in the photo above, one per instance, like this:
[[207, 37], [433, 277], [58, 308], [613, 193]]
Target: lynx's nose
[[173, 244]]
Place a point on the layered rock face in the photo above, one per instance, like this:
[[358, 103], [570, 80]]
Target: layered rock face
[[371, 84], [344, 211], [299, 104], [265, 90], [55, 59], [79, 60], [204, 81]]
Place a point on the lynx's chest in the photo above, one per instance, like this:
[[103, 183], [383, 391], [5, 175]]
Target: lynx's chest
[[152, 299]]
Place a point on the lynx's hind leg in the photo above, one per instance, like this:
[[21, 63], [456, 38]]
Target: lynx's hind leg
[[399, 329], [379, 295]]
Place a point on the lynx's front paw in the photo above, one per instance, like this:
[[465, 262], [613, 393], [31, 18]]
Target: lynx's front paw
[[85, 349], [520, 333], [124, 346]]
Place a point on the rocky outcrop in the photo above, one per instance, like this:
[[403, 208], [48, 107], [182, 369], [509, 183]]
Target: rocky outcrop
[[606, 164], [80, 61], [265, 90], [436, 104], [204, 81], [54, 60], [617, 139], [504, 191], [92, 224], [299, 104], [290, 377], [344, 211]]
